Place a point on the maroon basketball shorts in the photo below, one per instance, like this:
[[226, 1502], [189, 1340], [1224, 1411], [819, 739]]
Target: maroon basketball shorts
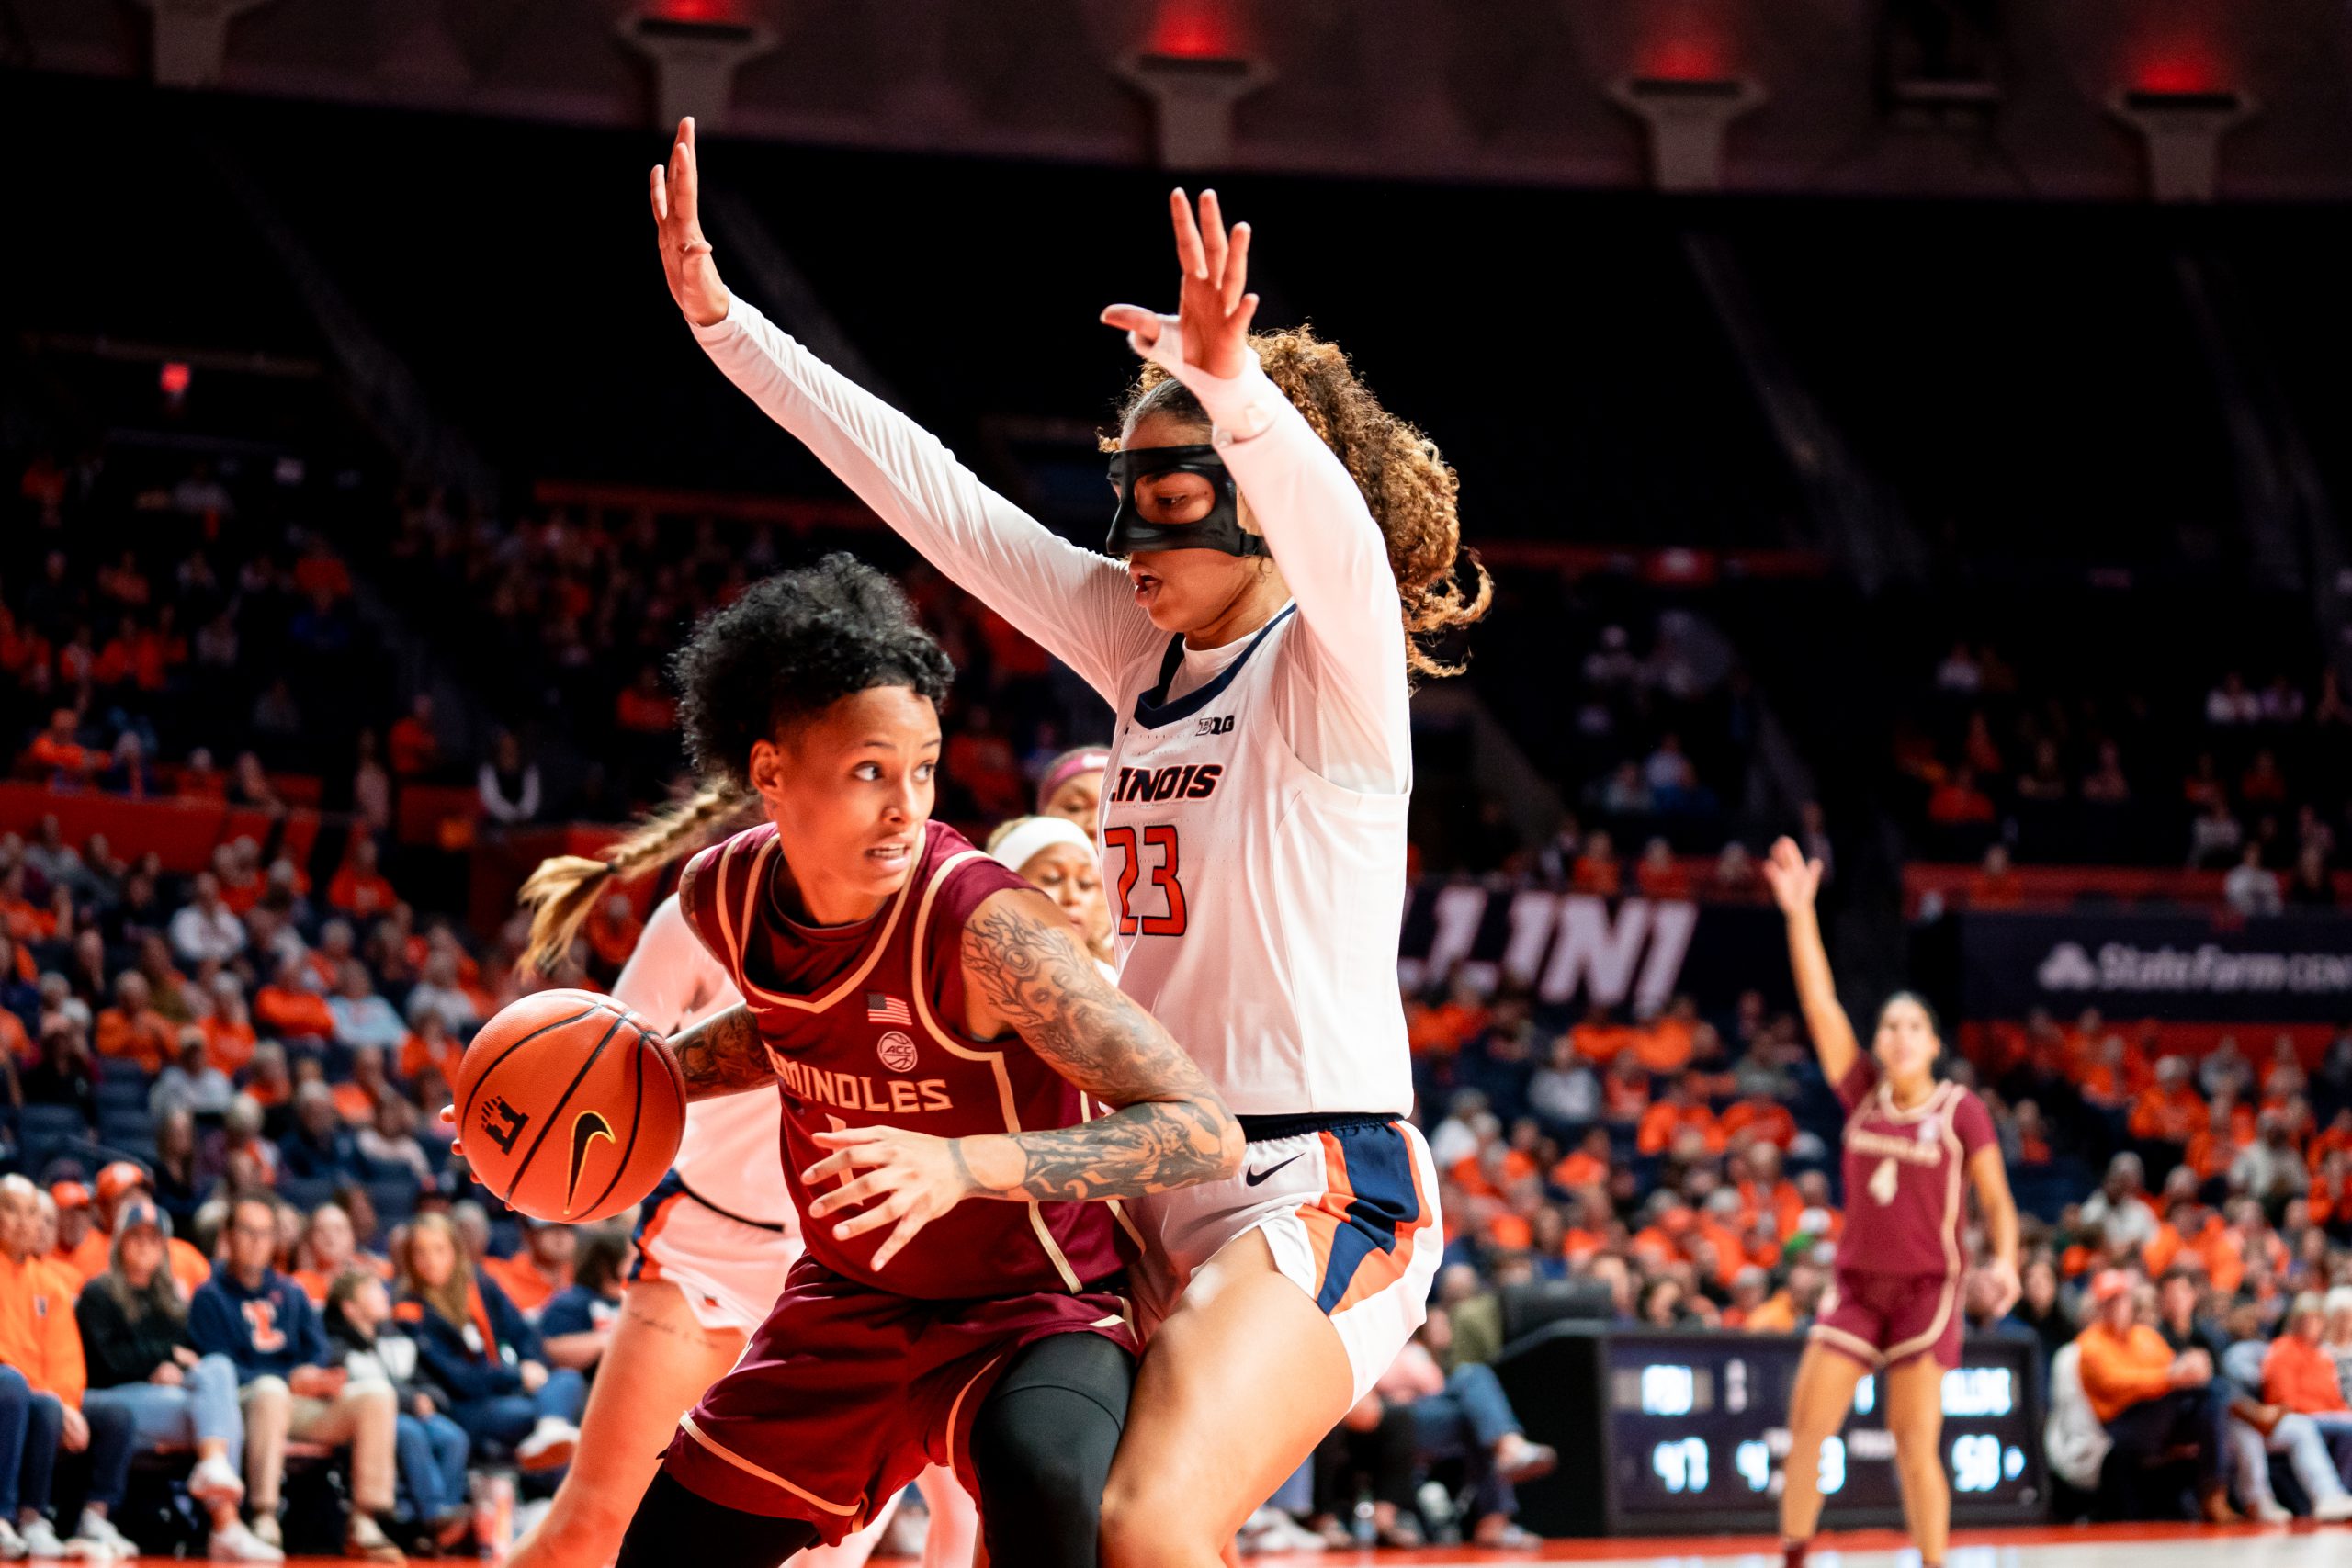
[[845, 1394], [1883, 1320]]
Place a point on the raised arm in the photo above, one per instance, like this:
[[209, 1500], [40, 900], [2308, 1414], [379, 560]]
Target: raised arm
[[1301, 496], [1024, 970], [1074, 602], [1795, 882]]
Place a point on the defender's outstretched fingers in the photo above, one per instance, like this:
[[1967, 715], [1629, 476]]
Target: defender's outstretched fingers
[[1237, 271], [1190, 253]]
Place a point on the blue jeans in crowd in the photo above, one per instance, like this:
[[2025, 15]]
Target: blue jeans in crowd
[[198, 1408], [507, 1419], [432, 1450], [1465, 1423], [32, 1425]]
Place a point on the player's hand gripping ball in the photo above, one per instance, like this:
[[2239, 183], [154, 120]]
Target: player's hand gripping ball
[[568, 1106]]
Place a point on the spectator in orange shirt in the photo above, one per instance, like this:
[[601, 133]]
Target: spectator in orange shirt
[[1587, 1166], [1996, 884], [358, 888], [1598, 1038], [2331, 1196], [2299, 1373], [643, 707], [413, 748], [1761, 1117], [2169, 1111], [1750, 1287], [1665, 1046], [269, 1085], [430, 1048], [1957, 802], [74, 1220], [2149, 1399], [1596, 868], [1660, 874], [56, 752], [2229, 1127], [132, 1029], [1764, 1192], [2337, 1138], [23, 921], [2106, 1082], [199, 780], [1445, 1029], [1677, 1113], [288, 1009], [535, 1276], [228, 1026]]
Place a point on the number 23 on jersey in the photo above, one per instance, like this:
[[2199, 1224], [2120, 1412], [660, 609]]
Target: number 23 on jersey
[[1159, 846]]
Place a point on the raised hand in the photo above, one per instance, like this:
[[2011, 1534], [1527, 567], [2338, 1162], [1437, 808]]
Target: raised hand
[[1794, 879], [1214, 305], [677, 222]]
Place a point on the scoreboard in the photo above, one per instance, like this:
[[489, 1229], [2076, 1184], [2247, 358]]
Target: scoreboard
[[1673, 1432]]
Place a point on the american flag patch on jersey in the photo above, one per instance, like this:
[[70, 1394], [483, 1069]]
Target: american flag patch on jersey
[[880, 1009]]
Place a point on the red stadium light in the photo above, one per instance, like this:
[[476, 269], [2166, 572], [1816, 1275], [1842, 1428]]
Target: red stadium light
[[174, 379], [1193, 29], [696, 10], [2179, 71]]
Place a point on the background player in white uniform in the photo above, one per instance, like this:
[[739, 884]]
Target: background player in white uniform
[[717, 1239], [1254, 654]]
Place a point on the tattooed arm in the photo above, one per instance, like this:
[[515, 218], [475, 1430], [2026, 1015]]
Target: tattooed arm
[[1024, 971], [722, 1055]]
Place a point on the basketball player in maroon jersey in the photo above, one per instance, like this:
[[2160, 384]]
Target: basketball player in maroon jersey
[[1912, 1143], [965, 1100]]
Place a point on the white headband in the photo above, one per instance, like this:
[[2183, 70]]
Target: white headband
[[1032, 834]]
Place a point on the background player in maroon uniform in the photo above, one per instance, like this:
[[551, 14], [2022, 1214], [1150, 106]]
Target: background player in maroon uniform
[[1911, 1143], [994, 1335]]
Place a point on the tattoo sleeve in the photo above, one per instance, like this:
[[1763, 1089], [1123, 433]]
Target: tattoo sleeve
[[722, 1055], [1171, 1128]]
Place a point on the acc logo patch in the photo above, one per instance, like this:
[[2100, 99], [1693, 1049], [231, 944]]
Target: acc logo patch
[[897, 1052]]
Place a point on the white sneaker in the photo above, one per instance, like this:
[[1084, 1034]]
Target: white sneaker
[[548, 1445], [1270, 1531], [40, 1538], [2334, 1510], [98, 1527], [12, 1545], [238, 1544], [215, 1480], [2270, 1511], [265, 1531]]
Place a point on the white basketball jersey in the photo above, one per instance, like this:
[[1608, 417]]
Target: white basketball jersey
[[728, 1154], [1280, 980]]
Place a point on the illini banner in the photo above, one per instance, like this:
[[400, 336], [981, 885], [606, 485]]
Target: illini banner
[[2289, 969], [1577, 949]]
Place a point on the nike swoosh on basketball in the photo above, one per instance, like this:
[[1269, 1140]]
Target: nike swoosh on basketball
[[586, 1128], [1255, 1176]]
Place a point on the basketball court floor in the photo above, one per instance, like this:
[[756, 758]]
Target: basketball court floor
[[2088, 1546]]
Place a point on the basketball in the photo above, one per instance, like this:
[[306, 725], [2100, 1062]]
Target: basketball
[[570, 1106]]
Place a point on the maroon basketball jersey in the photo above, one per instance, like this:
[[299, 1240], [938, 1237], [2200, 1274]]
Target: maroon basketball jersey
[[864, 1027], [1906, 1174]]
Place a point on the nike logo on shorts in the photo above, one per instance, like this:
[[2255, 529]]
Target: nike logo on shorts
[[1255, 1176]]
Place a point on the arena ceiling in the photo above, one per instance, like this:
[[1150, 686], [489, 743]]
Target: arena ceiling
[[1925, 97]]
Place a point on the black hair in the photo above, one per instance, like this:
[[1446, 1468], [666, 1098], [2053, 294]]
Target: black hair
[[1935, 1025], [790, 648]]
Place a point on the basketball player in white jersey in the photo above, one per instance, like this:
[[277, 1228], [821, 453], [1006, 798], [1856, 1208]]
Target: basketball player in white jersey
[[1283, 540], [715, 1242]]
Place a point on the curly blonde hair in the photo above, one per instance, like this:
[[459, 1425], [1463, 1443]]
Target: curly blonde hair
[[1411, 490]]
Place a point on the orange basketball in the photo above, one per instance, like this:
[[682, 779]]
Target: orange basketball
[[569, 1107]]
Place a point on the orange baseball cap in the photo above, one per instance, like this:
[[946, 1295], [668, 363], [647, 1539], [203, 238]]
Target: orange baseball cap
[[119, 1178], [69, 1194], [2110, 1283]]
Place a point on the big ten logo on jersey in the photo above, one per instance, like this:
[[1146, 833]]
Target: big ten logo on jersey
[[1194, 781], [1216, 724], [261, 1324]]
